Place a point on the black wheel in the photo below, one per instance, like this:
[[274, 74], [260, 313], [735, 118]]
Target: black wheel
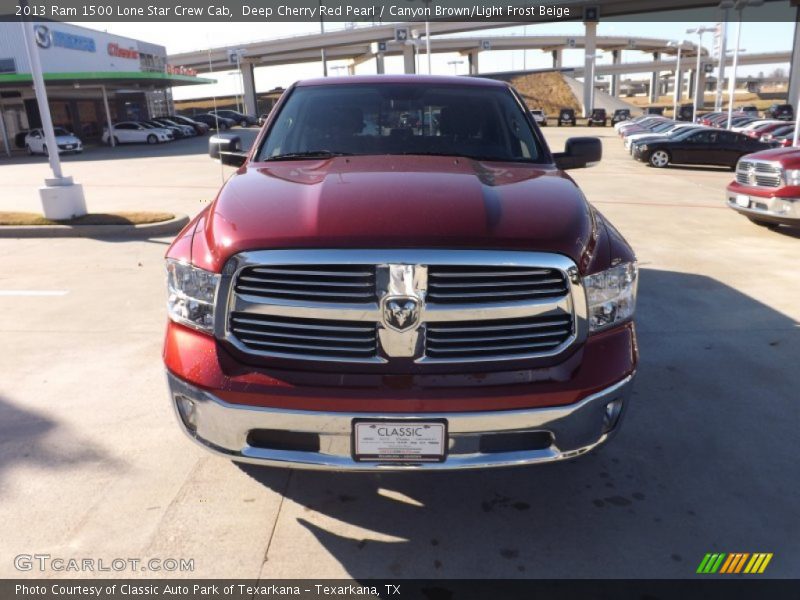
[[589, 123], [761, 223], [659, 159], [45, 150], [152, 139], [243, 123], [29, 149]]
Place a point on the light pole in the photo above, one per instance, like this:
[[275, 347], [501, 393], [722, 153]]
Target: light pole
[[698, 93], [739, 6], [322, 54], [676, 93], [61, 198], [455, 64]]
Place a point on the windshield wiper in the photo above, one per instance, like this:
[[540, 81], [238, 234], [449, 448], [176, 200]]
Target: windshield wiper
[[308, 154], [470, 156]]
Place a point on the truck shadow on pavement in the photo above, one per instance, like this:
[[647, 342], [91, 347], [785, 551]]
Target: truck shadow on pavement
[[30, 439], [705, 461]]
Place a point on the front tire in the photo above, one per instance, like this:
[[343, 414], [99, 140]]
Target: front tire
[[152, 139], [29, 149], [45, 150], [659, 159]]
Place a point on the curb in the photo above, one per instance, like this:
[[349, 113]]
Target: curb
[[146, 230]]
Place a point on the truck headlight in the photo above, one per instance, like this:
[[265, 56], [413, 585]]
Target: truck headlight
[[611, 295], [791, 176], [191, 295]]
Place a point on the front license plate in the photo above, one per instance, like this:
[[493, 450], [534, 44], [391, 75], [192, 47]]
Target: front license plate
[[399, 441], [743, 200]]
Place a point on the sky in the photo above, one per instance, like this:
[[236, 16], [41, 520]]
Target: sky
[[181, 37]]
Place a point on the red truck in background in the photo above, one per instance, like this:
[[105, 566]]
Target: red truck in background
[[767, 187], [371, 291]]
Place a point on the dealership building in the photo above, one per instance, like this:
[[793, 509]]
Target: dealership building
[[92, 77]]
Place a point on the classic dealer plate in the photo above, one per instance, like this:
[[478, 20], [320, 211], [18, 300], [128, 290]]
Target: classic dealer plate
[[743, 200], [399, 441]]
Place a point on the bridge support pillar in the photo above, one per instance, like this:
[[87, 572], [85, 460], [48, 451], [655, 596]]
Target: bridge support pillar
[[472, 57], [700, 89], [380, 65], [556, 59], [249, 86], [409, 60], [616, 58], [654, 82], [794, 66], [589, 51]]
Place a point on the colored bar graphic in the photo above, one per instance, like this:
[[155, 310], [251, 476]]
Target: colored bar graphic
[[734, 563]]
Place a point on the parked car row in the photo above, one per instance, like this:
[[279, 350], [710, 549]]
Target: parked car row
[[223, 119], [659, 142], [154, 131]]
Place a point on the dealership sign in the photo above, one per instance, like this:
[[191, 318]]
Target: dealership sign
[[115, 50], [45, 38]]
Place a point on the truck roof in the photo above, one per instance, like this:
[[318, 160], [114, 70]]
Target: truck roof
[[421, 79]]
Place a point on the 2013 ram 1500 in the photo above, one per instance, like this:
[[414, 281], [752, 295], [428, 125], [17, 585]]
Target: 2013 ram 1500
[[767, 187], [401, 275]]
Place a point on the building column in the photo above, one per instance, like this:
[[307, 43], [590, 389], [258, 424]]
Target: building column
[[380, 65], [249, 85], [556, 59], [616, 58], [654, 81], [472, 58], [589, 50], [700, 91], [794, 66], [409, 60]]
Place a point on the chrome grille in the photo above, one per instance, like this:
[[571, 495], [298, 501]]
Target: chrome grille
[[498, 338], [305, 338], [474, 306], [470, 284], [758, 173], [317, 283]]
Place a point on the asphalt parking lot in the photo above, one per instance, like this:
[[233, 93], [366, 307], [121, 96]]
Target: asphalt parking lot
[[92, 463]]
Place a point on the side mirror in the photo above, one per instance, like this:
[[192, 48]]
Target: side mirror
[[223, 142], [233, 159], [579, 152]]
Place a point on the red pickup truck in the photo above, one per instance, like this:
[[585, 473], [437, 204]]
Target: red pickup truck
[[767, 187], [401, 275]]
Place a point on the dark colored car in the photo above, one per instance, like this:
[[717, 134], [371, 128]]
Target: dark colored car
[[703, 147], [199, 128], [566, 116], [783, 112], [598, 117], [621, 114], [685, 112], [240, 119], [654, 110], [212, 121], [347, 301]]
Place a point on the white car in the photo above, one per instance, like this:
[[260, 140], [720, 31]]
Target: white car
[[539, 117], [129, 132], [35, 142], [753, 125]]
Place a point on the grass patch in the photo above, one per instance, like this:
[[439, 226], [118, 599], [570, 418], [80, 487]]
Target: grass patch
[[122, 218]]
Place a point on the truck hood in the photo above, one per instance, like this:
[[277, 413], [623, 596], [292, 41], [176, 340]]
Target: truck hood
[[396, 202]]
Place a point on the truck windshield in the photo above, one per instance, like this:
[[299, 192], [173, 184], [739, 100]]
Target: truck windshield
[[483, 123]]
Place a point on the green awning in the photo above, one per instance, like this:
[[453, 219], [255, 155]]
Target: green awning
[[116, 78]]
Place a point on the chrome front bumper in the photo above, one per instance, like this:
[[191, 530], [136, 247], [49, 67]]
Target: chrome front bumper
[[773, 209], [224, 428]]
